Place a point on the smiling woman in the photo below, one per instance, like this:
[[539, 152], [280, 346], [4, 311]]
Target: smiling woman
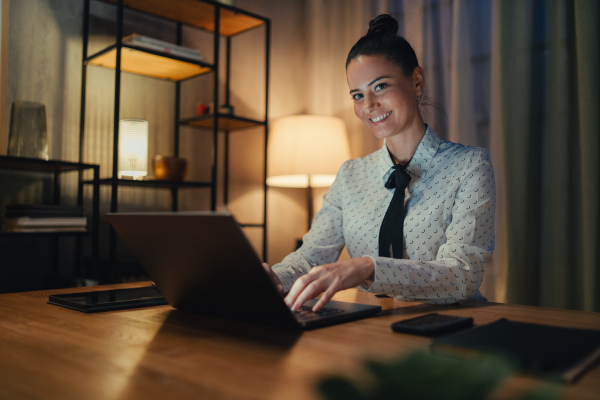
[[386, 101], [416, 216]]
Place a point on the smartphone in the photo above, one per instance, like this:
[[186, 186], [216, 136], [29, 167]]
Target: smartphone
[[432, 324], [107, 300]]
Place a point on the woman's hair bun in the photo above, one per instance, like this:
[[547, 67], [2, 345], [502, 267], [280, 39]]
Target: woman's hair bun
[[383, 24]]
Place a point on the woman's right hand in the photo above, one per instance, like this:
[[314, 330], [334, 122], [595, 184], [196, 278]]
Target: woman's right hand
[[274, 278], [328, 279]]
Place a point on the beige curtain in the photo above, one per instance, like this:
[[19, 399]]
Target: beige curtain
[[548, 91]]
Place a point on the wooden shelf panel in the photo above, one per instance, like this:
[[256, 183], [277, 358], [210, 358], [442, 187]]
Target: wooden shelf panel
[[153, 183], [197, 13], [37, 164], [225, 122], [48, 233], [148, 64]]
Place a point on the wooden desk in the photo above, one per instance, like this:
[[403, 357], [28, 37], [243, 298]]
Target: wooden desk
[[50, 352]]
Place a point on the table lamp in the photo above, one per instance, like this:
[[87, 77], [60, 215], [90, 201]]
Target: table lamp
[[306, 151], [133, 148]]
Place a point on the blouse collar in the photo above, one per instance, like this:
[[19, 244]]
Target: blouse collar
[[421, 159]]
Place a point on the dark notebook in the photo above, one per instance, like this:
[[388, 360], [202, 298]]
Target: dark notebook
[[555, 352]]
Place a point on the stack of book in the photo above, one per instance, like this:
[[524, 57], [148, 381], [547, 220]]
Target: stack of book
[[149, 43], [44, 218]]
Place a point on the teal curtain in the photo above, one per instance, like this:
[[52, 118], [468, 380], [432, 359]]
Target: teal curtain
[[549, 98]]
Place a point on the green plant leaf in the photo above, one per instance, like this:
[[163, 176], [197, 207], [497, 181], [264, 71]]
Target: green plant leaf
[[426, 376]]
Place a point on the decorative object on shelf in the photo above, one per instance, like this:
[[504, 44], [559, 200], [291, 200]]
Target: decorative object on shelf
[[170, 168], [28, 136], [228, 2], [202, 109], [306, 151], [133, 148], [149, 43], [226, 109]]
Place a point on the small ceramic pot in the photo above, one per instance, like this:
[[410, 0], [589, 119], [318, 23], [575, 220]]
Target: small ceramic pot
[[170, 168]]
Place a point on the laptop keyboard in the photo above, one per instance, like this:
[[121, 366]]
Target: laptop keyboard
[[306, 312]]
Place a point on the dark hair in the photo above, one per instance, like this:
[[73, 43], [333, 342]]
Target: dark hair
[[382, 39]]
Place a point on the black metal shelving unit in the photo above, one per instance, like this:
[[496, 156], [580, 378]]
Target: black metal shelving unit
[[223, 21], [56, 169]]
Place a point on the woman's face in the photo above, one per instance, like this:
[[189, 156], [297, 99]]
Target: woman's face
[[384, 99]]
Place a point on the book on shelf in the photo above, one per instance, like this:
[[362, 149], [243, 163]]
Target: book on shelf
[[149, 43], [45, 221], [43, 218], [547, 351], [15, 228]]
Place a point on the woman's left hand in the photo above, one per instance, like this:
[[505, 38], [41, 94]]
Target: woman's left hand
[[329, 279]]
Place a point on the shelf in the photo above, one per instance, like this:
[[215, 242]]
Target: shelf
[[153, 183], [199, 14], [37, 164], [49, 233], [56, 167], [148, 63], [225, 122], [221, 21]]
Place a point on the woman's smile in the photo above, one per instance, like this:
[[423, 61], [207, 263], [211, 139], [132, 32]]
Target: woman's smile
[[380, 118]]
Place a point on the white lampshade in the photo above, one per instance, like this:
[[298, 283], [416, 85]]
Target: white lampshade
[[306, 150], [133, 148]]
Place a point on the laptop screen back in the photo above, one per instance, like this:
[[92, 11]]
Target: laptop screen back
[[203, 262]]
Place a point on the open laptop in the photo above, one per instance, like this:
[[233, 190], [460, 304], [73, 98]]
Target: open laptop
[[202, 262]]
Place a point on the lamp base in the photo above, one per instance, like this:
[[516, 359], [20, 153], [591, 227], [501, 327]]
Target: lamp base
[[133, 177]]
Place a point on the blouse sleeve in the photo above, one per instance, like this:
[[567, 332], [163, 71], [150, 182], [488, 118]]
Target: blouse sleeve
[[458, 269], [324, 241]]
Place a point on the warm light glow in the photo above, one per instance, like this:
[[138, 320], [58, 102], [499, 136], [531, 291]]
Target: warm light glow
[[133, 148], [306, 149], [300, 181]]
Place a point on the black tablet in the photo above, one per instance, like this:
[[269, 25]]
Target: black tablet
[[107, 300]]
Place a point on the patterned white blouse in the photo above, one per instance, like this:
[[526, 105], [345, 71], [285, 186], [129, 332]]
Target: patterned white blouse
[[448, 228]]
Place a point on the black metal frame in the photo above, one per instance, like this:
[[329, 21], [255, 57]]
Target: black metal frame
[[57, 168], [174, 187]]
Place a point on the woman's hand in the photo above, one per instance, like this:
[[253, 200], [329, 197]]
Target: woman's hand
[[329, 279], [273, 277]]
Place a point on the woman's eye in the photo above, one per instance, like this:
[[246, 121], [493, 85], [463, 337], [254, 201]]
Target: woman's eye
[[357, 96], [380, 86]]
